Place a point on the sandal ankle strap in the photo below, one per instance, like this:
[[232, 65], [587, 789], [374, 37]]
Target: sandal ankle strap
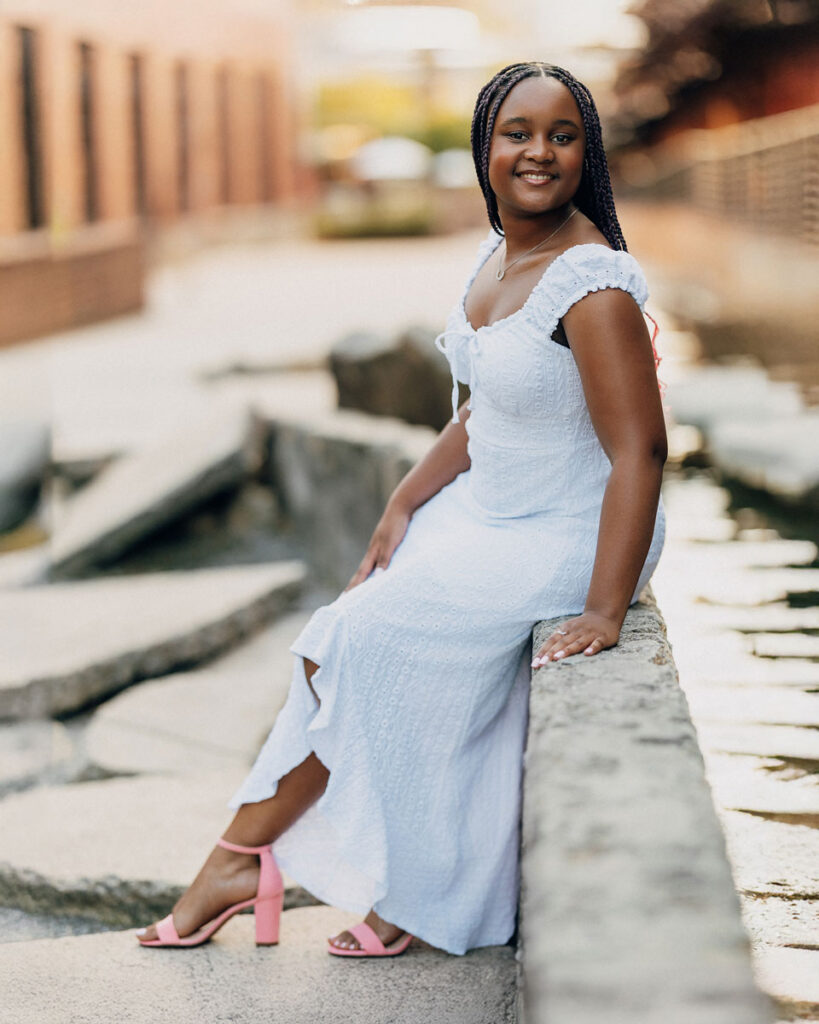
[[242, 849]]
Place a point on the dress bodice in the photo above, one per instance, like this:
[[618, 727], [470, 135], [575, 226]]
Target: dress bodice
[[532, 444]]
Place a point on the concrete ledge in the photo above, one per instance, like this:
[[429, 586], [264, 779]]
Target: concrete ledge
[[628, 908]]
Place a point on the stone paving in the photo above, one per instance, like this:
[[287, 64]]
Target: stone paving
[[736, 604], [108, 977]]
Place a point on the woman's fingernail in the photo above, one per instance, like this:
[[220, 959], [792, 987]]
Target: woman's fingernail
[[559, 654]]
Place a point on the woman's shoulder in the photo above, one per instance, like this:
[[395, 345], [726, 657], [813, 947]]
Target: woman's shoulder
[[584, 268]]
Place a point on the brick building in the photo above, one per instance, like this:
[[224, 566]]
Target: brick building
[[115, 116]]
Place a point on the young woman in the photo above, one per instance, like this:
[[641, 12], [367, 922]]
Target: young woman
[[390, 782]]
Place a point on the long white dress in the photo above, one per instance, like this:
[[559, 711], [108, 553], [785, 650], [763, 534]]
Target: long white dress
[[424, 668]]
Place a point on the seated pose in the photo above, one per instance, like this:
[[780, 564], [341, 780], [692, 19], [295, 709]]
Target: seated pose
[[390, 783]]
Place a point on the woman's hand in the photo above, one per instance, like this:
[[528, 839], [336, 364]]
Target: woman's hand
[[386, 537], [589, 632]]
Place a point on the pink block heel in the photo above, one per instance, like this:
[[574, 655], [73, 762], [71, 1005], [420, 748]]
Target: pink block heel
[[267, 906], [268, 914]]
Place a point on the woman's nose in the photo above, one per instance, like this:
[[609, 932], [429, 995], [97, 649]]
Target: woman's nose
[[540, 149]]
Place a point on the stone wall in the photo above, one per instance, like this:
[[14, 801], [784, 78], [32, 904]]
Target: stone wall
[[47, 288], [628, 910]]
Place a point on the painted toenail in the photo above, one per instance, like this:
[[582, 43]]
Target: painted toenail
[[141, 931]]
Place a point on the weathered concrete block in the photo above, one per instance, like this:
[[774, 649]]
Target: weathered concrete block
[[334, 475], [24, 451], [212, 717], [628, 911], [155, 485], [120, 850], [404, 376], [96, 637]]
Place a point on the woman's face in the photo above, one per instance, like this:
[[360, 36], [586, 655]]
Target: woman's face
[[537, 147]]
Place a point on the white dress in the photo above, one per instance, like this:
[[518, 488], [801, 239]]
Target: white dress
[[424, 667]]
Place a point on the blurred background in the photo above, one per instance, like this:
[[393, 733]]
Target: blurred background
[[229, 231]]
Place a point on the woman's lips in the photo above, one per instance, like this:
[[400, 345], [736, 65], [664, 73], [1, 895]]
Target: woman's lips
[[535, 178]]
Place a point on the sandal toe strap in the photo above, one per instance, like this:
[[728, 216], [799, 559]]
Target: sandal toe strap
[[166, 930], [367, 939]]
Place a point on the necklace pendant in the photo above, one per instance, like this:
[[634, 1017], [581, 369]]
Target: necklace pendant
[[499, 276]]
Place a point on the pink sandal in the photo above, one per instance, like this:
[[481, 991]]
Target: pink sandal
[[370, 943], [267, 906]]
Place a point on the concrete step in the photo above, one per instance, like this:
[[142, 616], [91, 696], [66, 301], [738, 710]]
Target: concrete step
[[68, 644], [753, 704], [761, 785], [119, 850], [204, 720], [97, 979], [772, 858], [787, 742], [31, 750], [191, 461]]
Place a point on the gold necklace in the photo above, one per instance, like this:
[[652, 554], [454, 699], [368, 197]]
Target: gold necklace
[[501, 271]]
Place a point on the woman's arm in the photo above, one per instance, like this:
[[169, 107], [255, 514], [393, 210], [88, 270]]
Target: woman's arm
[[442, 463], [614, 357]]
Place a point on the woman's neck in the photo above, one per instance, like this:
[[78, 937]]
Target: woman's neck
[[522, 233]]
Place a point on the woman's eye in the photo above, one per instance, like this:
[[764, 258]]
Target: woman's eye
[[562, 139], [513, 135]]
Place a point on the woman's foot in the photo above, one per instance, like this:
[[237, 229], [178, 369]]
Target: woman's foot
[[387, 932], [226, 878]]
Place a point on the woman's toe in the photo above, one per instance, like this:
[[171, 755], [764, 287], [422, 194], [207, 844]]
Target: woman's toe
[[344, 940], [147, 934]]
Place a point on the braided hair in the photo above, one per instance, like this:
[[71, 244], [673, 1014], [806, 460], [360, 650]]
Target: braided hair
[[594, 196]]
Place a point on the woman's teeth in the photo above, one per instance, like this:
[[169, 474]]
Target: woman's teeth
[[537, 177]]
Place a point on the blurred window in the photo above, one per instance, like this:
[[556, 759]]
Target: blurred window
[[30, 124], [223, 118], [87, 132], [138, 131], [182, 137], [264, 112]]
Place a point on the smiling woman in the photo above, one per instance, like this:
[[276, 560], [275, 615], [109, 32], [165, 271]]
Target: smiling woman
[[390, 783]]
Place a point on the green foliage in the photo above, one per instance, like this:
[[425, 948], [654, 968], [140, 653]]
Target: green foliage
[[450, 132]]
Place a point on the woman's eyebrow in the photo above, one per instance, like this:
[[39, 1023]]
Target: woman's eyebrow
[[525, 120]]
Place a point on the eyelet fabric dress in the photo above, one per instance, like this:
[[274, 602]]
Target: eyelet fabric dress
[[424, 672]]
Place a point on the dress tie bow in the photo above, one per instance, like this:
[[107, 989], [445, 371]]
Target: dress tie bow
[[456, 343]]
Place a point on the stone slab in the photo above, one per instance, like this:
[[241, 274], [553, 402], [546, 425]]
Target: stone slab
[[200, 456], [772, 858], [776, 921], [791, 976], [785, 645], [18, 926], [202, 720], [120, 850], [754, 704], [710, 394], [777, 456], [762, 785], [229, 979], [24, 567], [67, 644], [758, 586], [787, 742], [24, 451], [30, 750], [629, 912]]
